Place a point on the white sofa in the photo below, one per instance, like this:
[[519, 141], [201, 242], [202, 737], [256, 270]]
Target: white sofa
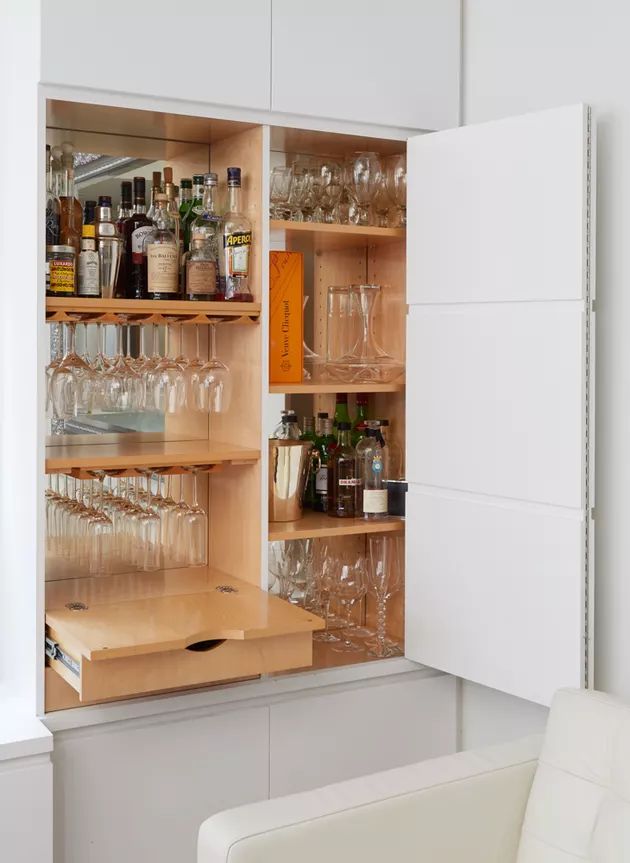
[[517, 803]]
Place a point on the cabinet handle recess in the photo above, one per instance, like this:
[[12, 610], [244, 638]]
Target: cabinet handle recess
[[205, 646]]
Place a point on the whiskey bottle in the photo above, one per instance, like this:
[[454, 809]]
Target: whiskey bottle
[[343, 481], [156, 188], [135, 229], [162, 255], [370, 456], [124, 208], [237, 241], [205, 230]]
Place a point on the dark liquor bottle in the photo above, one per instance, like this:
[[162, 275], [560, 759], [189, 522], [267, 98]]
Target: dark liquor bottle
[[343, 481], [185, 197], [193, 210], [52, 205], [237, 243], [124, 208], [325, 446], [89, 209], [370, 456], [309, 435], [135, 229]]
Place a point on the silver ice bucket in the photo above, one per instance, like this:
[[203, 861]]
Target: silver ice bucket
[[288, 471]]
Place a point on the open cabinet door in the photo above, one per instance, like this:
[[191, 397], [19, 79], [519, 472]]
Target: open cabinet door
[[499, 397]]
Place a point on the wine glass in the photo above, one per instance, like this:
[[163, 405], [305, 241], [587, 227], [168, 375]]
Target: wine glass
[[280, 182], [350, 588], [396, 177], [56, 342], [195, 529], [70, 381], [286, 562], [325, 564], [384, 578], [191, 373], [331, 175], [168, 383], [212, 385], [381, 203], [298, 193], [364, 179]]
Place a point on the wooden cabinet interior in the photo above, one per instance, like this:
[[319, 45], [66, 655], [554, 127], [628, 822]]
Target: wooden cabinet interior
[[228, 444]]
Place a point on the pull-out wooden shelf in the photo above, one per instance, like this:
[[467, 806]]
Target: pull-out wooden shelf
[[130, 635], [99, 310], [322, 387], [331, 237], [145, 454], [315, 524]]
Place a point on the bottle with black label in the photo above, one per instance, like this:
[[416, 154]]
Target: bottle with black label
[[343, 480], [370, 457], [325, 446], [135, 229], [88, 270], [161, 251], [237, 242]]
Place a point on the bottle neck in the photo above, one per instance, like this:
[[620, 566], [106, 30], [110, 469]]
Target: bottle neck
[[139, 206], [208, 200], [344, 437], [124, 210], [341, 412], [198, 192], [234, 199], [185, 195]]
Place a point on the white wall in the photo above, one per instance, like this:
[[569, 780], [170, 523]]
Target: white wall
[[526, 56]]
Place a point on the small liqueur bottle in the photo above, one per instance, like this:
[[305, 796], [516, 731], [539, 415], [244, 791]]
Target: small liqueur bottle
[[156, 188], [194, 209], [370, 456], [88, 269], [89, 209], [52, 205], [205, 230], [162, 255], [325, 446], [341, 410], [343, 481], [135, 230], [237, 242], [124, 208], [358, 426], [308, 424], [202, 271]]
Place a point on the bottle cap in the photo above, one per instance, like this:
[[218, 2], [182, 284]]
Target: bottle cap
[[66, 250], [198, 179], [211, 179], [234, 177], [104, 201], [369, 432], [89, 232], [185, 183], [90, 205], [157, 179], [343, 426], [139, 187], [125, 190], [168, 174], [322, 415]]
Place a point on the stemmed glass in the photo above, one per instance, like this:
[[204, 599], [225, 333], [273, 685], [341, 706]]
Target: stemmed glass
[[56, 341], [149, 529], [350, 588], [168, 383], [298, 193], [384, 578], [70, 381], [396, 176], [381, 203], [195, 529], [331, 175], [286, 562], [279, 192], [212, 385], [324, 573], [191, 373], [124, 387], [364, 179], [176, 539]]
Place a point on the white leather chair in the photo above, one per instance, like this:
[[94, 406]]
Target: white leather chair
[[517, 803]]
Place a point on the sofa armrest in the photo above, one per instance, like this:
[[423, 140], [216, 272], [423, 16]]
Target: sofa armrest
[[466, 807]]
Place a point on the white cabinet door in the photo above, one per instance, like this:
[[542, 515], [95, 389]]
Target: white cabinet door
[[499, 396], [216, 53], [393, 64]]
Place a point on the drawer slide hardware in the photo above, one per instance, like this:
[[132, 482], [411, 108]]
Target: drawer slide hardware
[[53, 651]]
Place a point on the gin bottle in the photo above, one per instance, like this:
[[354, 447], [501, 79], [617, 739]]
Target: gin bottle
[[371, 469], [343, 482], [237, 242]]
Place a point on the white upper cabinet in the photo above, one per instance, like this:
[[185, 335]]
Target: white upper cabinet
[[205, 52], [392, 64], [499, 399]]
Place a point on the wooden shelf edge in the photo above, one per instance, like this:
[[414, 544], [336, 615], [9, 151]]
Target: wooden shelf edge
[[99, 310], [323, 387], [315, 524], [367, 232]]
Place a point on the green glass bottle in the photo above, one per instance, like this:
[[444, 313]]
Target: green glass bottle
[[308, 434], [325, 446], [341, 411], [192, 208], [358, 426]]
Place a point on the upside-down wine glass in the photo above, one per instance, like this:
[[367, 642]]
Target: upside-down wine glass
[[213, 383], [169, 384], [70, 381], [195, 529]]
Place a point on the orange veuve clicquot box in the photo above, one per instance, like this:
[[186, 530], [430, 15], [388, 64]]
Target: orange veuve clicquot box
[[286, 325]]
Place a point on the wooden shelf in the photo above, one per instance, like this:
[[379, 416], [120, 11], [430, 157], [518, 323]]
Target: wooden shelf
[[320, 524], [321, 387], [338, 236], [98, 310], [145, 454]]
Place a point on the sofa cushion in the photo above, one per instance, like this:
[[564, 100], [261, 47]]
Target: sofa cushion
[[579, 807]]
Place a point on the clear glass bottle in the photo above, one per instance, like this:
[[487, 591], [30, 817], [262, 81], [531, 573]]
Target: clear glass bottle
[[343, 479], [237, 242], [370, 457], [202, 271], [161, 252], [392, 451], [52, 204], [194, 209], [185, 197], [319, 423], [290, 427], [70, 216], [88, 268], [277, 432], [358, 426], [326, 444], [156, 188], [308, 434]]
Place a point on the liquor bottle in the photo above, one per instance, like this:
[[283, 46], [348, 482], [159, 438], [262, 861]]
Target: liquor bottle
[[109, 246], [88, 212], [156, 188], [392, 451], [308, 424], [185, 200], [124, 208], [206, 228], [88, 268], [290, 429], [319, 422], [52, 205], [70, 215], [341, 410], [162, 255], [237, 241], [277, 432], [201, 280], [358, 426], [194, 209], [325, 446], [370, 457], [135, 229], [343, 481]]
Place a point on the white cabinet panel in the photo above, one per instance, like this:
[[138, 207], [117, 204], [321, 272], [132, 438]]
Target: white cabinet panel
[[326, 738], [496, 399], [26, 810], [216, 53], [494, 594], [393, 64], [497, 211], [135, 792]]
